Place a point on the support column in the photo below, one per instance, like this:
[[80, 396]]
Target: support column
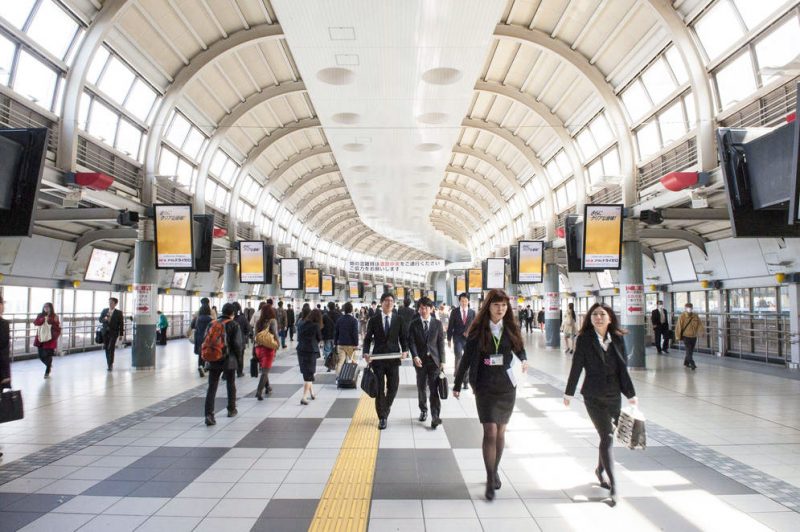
[[631, 281], [552, 300], [145, 293], [794, 325], [230, 281]]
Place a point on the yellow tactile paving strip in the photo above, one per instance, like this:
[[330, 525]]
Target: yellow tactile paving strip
[[344, 505]]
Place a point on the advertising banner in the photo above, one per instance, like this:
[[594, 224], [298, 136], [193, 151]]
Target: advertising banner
[[417, 294], [144, 303], [386, 266], [328, 282], [251, 262], [400, 292], [475, 281], [353, 289], [530, 265], [602, 237], [632, 304], [311, 281], [461, 284], [290, 274], [173, 232], [552, 309], [495, 273]]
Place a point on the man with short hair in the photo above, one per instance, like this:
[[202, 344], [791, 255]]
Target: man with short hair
[[660, 322], [283, 321], [689, 328], [426, 342], [460, 320], [407, 313], [345, 337], [113, 328], [290, 321], [234, 347], [385, 331], [372, 310]]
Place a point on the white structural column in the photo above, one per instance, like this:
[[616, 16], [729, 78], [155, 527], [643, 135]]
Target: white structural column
[[700, 80], [76, 79]]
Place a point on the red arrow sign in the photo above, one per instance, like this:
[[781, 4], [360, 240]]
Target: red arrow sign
[[634, 309], [143, 309]]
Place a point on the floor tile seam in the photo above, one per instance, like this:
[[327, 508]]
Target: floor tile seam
[[704, 454]]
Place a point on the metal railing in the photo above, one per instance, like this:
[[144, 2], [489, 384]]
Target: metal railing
[[77, 332]]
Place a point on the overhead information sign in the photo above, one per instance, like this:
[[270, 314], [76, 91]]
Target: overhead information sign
[[290, 274], [384, 266]]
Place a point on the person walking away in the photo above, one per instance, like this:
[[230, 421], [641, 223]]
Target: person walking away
[[282, 323], [529, 317], [363, 318], [254, 318], [385, 335], [461, 319], [161, 328], [244, 326], [523, 316], [444, 317], [540, 319], [113, 328], [328, 333], [493, 339], [600, 352], [309, 335], [265, 351], [426, 342], [48, 330], [5, 351], [224, 344], [660, 321], [345, 337], [689, 329], [290, 321], [570, 328], [407, 313], [199, 326]]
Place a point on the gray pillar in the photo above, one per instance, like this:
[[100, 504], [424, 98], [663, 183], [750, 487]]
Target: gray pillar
[[145, 285], [794, 325], [230, 282], [552, 300], [631, 282]]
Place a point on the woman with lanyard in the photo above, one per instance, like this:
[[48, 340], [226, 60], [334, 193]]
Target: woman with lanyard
[[492, 341], [600, 351]]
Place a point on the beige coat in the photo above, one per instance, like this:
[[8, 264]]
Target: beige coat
[[689, 325]]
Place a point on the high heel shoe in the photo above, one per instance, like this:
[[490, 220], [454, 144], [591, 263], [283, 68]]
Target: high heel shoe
[[603, 484], [489, 489], [313, 397], [303, 401], [497, 483], [613, 496]]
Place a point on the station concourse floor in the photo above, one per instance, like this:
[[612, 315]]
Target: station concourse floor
[[129, 451]]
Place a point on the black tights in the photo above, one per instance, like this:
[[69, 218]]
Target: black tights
[[605, 462], [494, 440], [604, 412]]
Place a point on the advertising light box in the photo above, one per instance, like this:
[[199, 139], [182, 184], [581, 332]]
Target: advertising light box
[[602, 237], [173, 232], [530, 261]]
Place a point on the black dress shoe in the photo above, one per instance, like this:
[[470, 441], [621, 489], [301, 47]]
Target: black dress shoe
[[423, 416], [232, 412], [210, 420], [489, 490], [435, 422], [382, 423]]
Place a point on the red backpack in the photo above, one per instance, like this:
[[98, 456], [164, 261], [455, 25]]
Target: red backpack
[[215, 342]]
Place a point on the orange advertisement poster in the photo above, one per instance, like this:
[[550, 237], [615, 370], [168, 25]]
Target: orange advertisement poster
[[327, 285], [251, 262], [173, 230], [312, 281], [602, 240], [461, 284], [531, 259], [475, 280]]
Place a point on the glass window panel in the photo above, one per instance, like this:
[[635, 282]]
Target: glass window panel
[[83, 110], [103, 122], [7, 50], [178, 130], [101, 301], [53, 28], [636, 101], [739, 300], [67, 302], [778, 48], [672, 124], [38, 297], [765, 300], [647, 137], [167, 163], [698, 300], [570, 188], [596, 171], [221, 198], [553, 173], [128, 139], [16, 11], [34, 80], [735, 80], [611, 163], [211, 191], [561, 198], [194, 141], [713, 301], [116, 81], [563, 163], [186, 174], [228, 171], [96, 67], [140, 100], [688, 102], [586, 143], [755, 11], [217, 163], [658, 81], [719, 29], [601, 131], [677, 65], [16, 299]]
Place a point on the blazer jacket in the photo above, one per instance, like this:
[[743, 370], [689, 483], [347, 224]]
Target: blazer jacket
[[421, 344], [588, 356], [309, 335], [115, 325], [375, 338], [455, 326], [655, 320], [474, 355]]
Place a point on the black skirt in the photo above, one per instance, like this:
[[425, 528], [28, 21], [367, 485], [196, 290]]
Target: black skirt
[[308, 364], [494, 395]]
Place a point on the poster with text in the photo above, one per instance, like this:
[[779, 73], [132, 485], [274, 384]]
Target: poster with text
[[290, 274], [173, 232], [475, 280], [602, 237], [400, 292], [353, 289], [461, 285], [311, 281], [251, 262], [495, 273], [530, 265], [379, 289], [417, 294], [431, 295], [328, 282]]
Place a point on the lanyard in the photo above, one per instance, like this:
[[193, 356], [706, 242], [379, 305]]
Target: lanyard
[[497, 342]]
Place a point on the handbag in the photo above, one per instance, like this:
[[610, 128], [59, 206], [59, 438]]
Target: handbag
[[44, 332], [442, 386], [190, 334], [369, 382], [265, 339], [99, 333], [630, 430], [330, 361], [254, 367], [11, 406]]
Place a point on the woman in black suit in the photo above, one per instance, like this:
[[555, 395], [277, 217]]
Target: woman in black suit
[[492, 341], [309, 335], [600, 351]]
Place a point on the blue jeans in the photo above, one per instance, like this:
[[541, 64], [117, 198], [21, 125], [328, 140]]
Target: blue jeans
[[282, 335], [327, 349]]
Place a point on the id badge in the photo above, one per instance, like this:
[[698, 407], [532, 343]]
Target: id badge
[[494, 360]]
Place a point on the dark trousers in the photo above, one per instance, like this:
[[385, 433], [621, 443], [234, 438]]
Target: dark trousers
[[388, 378], [282, 335], [46, 356], [291, 333], [428, 379], [213, 382], [604, 413], [161, 336], [529, 324], [662, 338], [110, 345], [689, 344]]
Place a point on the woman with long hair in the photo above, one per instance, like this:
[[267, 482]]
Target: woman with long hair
[[492, 341], [266, 356], [569, 326], [600, 351], [309, 335], [48, 329]]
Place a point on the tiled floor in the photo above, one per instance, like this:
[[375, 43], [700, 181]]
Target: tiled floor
[[129, 451]]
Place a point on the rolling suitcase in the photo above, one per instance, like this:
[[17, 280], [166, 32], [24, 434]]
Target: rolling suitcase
[[348, 376]]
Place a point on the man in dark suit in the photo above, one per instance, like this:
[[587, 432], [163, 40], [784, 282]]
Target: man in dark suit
[[385, 331], [660, 321], [407, 313], [460, 319], [426, 342], [113, 327]]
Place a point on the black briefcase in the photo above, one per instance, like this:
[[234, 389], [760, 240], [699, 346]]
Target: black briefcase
[[442, 385], [254, 367], [369, 382], [11, 406]]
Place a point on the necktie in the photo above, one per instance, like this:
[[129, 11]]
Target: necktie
[[386, 325], [425, 327]]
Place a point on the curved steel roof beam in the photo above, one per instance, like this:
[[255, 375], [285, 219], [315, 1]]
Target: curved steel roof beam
[[446, 227], [461, 211], [675, 234], [457, 222], [482, 180], [483, 214], [480, 201], [309, 211], [332, 225], [295, 186], [319, 192], [340, 203]]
